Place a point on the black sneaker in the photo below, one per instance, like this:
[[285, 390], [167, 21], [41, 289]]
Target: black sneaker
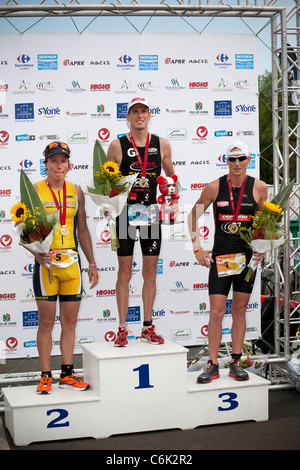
[[237, 372], [211, 372]]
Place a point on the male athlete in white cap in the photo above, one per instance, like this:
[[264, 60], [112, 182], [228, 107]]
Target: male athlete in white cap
[[235, 197]]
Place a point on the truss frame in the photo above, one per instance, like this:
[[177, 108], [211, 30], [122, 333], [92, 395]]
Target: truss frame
[[280, 21]]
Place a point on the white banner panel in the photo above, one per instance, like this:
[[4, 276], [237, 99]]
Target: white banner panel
[[75, 88]]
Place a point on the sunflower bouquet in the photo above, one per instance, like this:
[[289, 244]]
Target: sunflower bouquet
[[264, 234], [34, 228], [110, 190]]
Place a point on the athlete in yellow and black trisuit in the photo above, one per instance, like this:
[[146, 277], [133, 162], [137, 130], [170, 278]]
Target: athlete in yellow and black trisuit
[[66, 198], [64, 250]]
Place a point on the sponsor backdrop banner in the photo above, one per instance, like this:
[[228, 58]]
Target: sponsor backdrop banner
[[202, 91]]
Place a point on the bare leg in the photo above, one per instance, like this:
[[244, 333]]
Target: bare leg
[[68, 321], [149, 287], [47, 312], [217, 311], [122, 286], [238, 313]]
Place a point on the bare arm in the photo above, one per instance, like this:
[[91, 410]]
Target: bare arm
[[207, 197], [114, 152], [260, 193], [85, 238], [166, 155]]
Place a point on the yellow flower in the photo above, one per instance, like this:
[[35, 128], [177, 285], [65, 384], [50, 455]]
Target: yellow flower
[[273, 207], [111, 168], [18, 211]]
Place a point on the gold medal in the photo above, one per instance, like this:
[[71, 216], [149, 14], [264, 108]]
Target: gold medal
[[233, 227], [143, 182], [64, 230]]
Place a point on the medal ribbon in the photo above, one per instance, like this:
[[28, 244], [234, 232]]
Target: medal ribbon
[[62, 213], [143, 165], [235, 213]]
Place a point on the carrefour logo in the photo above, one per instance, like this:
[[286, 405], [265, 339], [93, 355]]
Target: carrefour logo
[[222, 60], [23, 62], [125, 61]]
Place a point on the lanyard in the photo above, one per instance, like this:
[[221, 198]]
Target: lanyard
[[62, 213], [142, 165], [235, 213]]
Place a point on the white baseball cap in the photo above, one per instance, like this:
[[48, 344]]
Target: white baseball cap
[[240, 145], [137, 100]]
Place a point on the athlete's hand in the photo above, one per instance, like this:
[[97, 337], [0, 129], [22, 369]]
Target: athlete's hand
[[93, 276], [44, 259], [203, 257], [258, 257]]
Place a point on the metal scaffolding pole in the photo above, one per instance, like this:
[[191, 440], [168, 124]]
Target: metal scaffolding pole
[[280, 86]]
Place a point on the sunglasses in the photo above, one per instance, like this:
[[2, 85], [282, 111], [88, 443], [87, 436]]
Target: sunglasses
[[58, 144], [242, 158]]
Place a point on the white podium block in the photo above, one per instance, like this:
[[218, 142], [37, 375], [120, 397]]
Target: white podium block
[[139, 388]]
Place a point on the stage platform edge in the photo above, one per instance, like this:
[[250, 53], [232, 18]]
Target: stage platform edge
[[139, 388]]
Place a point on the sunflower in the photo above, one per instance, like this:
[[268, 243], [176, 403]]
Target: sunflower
[[273, 207], [111, 168], [18, 211]]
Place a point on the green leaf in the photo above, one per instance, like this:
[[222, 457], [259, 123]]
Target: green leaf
[[99, 158], [108, 188], [29, 196], [283, 195]]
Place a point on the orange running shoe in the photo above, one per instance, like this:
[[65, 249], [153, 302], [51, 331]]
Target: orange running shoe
[[45, 385], [73, 381]]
